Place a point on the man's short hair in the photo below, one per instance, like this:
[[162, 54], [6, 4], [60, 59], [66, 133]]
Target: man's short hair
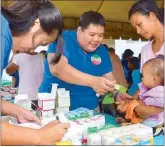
[[91, 17]]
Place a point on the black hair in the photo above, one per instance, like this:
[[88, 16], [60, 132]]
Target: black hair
[[135, 61], [145, 7], [91, 17], [59, 45], [43, 52], [139, 56], [21, 15], [50, 17], [106, 46], [127, 53], [111, 49]]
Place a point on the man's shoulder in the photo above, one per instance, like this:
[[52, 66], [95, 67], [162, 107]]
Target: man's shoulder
[[68, 33], [102, 48]]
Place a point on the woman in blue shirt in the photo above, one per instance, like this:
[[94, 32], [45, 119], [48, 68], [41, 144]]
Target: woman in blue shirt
[[26, 25]]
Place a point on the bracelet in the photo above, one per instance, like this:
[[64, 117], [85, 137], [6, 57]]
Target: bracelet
[[115, 93]]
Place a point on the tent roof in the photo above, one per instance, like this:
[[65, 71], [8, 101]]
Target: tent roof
[[114, 11]]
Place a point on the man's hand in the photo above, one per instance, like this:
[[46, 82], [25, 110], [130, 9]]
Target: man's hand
[[52, 133], [101, 85]]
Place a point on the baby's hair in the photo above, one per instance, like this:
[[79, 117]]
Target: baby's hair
[[157, 65]]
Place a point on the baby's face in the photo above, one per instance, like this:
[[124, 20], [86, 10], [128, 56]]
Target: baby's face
[[147, 77]]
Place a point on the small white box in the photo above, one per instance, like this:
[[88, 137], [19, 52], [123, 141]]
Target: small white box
[[46, 101], [63, 94], [61, 89], [23, 101], [63, 102], [62, 109], [94, 139], [99, 120], [44, 113], [54, 90], [46, 104]]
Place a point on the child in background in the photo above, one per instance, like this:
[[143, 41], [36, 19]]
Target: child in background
[[151, 93], [30, 68], [127, 55], [134, 67]]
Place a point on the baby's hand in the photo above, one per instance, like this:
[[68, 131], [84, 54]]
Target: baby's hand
[[141, 102], [123, 105]]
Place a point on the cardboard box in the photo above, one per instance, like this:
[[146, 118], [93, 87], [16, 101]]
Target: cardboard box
[[46, 104]]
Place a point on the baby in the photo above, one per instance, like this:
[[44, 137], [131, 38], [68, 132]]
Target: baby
[[151, 93]]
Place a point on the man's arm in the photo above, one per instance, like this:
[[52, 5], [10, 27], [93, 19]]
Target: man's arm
[[15, 135], [67, 73], [48, 135], [110, 76]]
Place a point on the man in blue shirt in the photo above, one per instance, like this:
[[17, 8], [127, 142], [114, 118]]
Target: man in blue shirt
[[85, 67]]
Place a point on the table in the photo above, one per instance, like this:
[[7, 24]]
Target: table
[[159, 140]]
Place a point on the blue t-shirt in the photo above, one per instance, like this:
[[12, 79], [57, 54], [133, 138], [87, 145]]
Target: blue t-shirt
[[96, 63], [6, 42], [136, 79]]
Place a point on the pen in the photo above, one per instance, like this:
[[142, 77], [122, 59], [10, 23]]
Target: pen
[[57, 118]]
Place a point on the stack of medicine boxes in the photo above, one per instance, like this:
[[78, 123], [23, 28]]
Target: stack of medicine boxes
[[46, 103], [63, 100]]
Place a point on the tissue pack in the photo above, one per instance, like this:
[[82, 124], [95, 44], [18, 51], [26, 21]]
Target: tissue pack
[[79, 113]]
